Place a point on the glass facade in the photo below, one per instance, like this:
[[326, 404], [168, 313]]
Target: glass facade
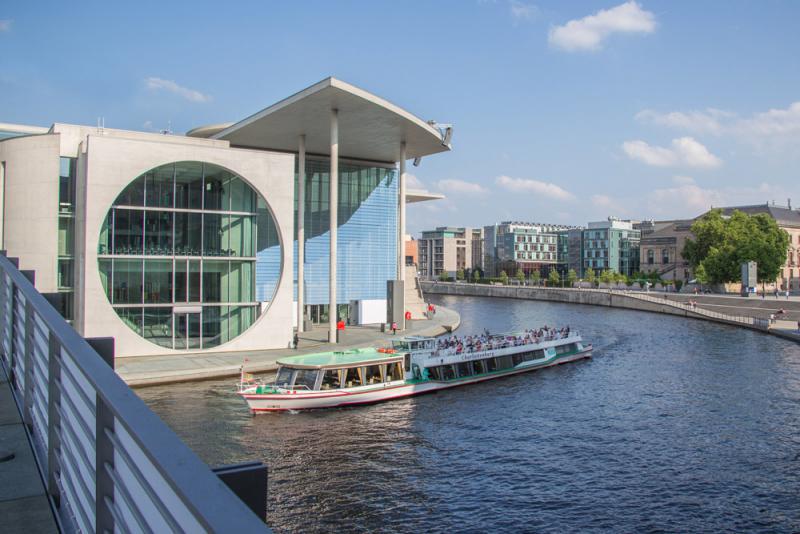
[[66, 236], [367, 235], [177, 255]]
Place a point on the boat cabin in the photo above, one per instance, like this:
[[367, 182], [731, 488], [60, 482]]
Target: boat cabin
[[339, 370]]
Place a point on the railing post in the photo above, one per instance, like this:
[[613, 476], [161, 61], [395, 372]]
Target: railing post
[[12, 338], [53, 416], [104, 456], [249, 482], [27, 394]]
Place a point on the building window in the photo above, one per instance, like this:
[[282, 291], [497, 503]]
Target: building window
[[664, 255], [650, 256], [177, 255]]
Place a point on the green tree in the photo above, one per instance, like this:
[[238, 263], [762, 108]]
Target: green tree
[[553, 277], [590, 276], [520, 276], [607, 276], [536, 277], [721, 244], [476, 276], [444, 277], [460, 274], [572, 277], [504, 278], [678, 285], [700, 275]]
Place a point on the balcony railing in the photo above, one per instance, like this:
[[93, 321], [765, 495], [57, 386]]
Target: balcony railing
[[109, 463]]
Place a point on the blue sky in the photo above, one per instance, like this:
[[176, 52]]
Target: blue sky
[[563, 111]]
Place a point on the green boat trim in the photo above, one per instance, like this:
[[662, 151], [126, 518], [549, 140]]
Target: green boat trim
[[338, 359]]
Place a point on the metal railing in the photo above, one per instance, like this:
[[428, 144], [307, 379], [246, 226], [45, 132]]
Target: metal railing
[[755, 322], [108, 462]]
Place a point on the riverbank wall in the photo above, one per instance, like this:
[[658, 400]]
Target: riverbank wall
[[647, 302]]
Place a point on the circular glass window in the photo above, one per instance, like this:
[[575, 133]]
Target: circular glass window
[[189, 255]]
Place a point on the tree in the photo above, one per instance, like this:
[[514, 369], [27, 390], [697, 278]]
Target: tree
[[553, 277], [504, 278], [460, 274], [476, 276], [536, 277], [607, 276], [721, 244], [520, 276], [678, 285], [590, 277], [444, 276], [572, 277]]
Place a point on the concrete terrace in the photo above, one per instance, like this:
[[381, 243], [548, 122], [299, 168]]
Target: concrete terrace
[[24, 506], [155, 370]]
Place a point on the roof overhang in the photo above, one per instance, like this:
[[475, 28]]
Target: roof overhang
[[370, 128], [419, 195]]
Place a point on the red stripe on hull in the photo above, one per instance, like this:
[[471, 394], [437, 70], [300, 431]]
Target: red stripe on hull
[[583, 354]]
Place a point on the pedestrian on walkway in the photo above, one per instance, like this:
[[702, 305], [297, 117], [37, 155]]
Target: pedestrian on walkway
[[394, 329], [295, 340], [787, 294], [798, 326]]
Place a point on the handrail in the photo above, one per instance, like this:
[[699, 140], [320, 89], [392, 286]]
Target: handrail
[[107, 459]]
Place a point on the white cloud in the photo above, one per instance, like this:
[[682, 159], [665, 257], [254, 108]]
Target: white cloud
[[589, 32], [460, 186], [5, 25], [710, 121], [684, 151], [602, 201], [774, 127], [184, 92], [522, 11], [523, 185], [412, 182], [775, 122]]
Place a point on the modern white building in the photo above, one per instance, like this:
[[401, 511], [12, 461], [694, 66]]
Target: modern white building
[[219, 239]]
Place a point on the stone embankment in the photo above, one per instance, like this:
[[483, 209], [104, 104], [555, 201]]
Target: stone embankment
[[633, 300]]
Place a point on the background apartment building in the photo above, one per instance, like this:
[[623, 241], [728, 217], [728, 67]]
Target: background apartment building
[[660, 250], [510, 246], [448, 250], [612, 244]]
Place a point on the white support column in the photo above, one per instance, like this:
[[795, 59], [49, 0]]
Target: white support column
[[401, 217], [333, 198], [301, 237]]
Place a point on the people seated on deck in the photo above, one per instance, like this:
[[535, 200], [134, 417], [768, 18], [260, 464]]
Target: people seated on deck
[[487, 341]]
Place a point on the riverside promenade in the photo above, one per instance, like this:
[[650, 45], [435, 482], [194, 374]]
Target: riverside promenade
[[155, 370], [743, 312]]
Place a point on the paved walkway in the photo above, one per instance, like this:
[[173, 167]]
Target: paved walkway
[[153, 370], [24, 506]]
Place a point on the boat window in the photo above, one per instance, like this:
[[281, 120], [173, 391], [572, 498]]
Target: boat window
[[491, 364], [330, 380], [284, 377], [448, 372], [435, 373], [504, 362], [352, 377], [464, 369], [538, 354], [561, 349], [372, 374], [306, 378], [399, 345], [478, 367], [394, 371], [408, 362], [516, 359]]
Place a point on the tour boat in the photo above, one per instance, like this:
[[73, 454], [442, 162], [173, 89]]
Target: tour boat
[[412, 366]]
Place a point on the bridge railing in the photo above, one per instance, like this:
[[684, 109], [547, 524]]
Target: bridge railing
[[109, 463]]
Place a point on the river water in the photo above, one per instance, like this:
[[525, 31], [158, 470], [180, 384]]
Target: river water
[[673, 425]]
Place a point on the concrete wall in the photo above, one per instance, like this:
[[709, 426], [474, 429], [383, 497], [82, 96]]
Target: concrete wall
[[571, 296], [30, 205], [109, 164]]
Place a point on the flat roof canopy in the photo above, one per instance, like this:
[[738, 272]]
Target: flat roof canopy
[[370, 128], [420, 195]]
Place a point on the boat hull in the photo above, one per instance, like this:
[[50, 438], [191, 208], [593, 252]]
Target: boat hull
[[388, 391]]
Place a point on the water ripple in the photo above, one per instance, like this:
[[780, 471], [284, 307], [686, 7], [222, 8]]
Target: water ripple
[[674, 426]]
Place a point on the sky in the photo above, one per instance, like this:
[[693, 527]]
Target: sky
[[563, 112]]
